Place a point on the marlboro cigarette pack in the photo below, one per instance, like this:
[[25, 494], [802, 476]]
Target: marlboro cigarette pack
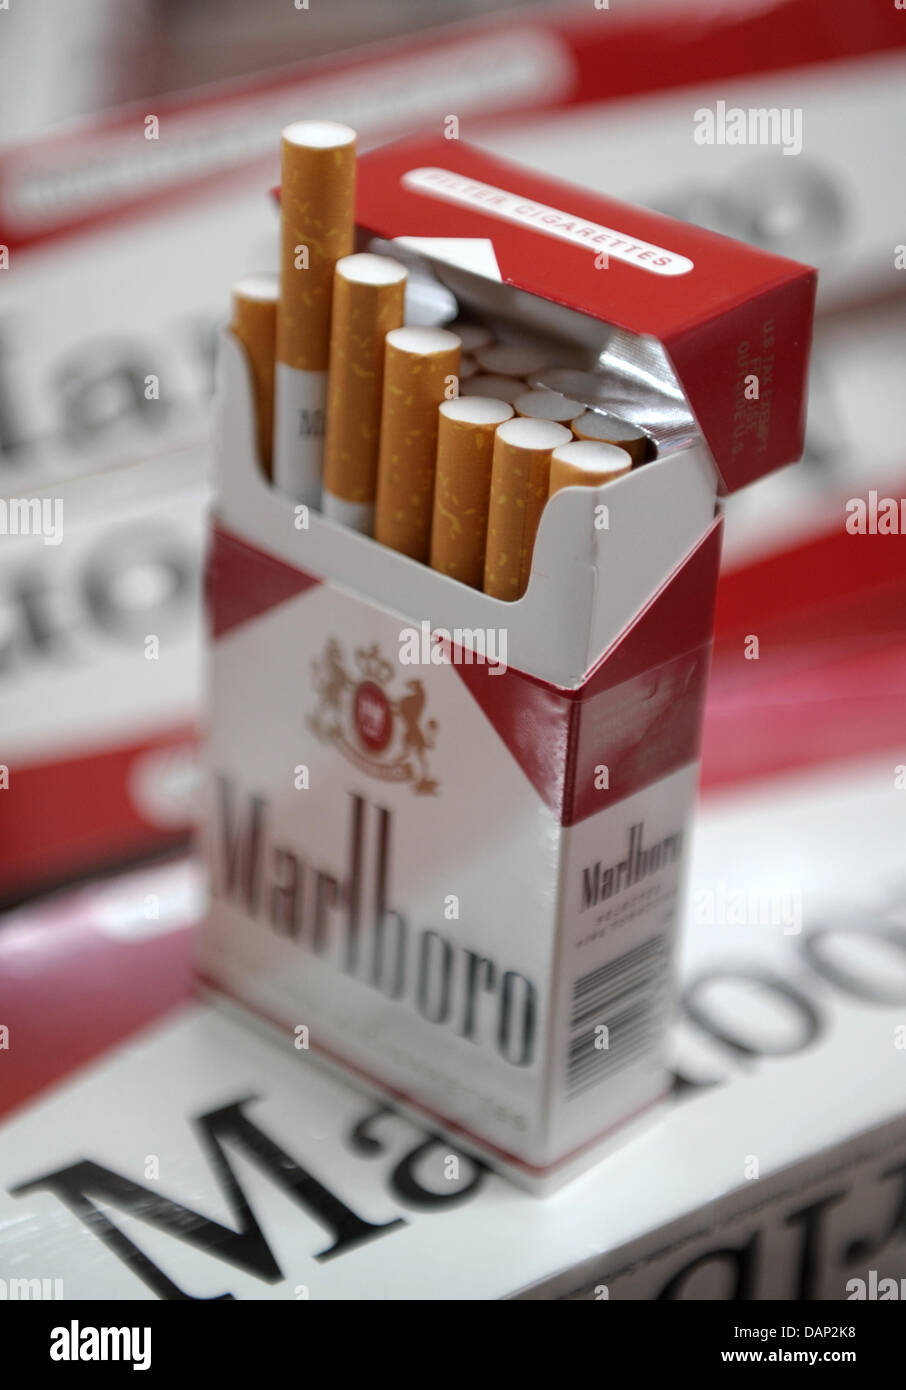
[[447, 827]]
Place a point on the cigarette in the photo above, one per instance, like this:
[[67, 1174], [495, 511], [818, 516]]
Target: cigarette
[[499, 388], [472, 335], [511, 359], [610, 429], [462, 486], [586, 463], [520, 479], [254, 323], [468, 367], [421, 369], [368, 294], [317, 229], [547, 405]]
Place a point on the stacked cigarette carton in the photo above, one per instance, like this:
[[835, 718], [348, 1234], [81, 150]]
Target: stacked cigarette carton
[[104, 492], [460, 883], [750, 1186]]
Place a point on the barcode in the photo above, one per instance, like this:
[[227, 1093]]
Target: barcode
[[617, 1012]]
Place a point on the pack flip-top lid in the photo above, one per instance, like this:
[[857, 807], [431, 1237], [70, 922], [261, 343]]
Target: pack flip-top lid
[[735, 322]]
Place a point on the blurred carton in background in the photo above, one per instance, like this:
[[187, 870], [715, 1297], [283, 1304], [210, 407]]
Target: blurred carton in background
[[750, 1186], [119, 248]]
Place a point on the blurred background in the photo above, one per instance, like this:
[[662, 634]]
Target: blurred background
[[116, 258], [119, 254], [121, 251]]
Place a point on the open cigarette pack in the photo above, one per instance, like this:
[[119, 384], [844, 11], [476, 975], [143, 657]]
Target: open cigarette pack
[[447, 824]]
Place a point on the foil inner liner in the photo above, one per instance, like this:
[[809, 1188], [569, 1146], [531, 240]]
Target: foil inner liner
[[632, 378], [610, 370]]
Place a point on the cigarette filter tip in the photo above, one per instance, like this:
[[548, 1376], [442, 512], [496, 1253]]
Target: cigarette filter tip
[[421, 369], [466, 430], [317, 193], [586, 463], [511, 359], [610, 429], [368, 294], [499, 388], [254, 323], [546, 405], [520, 479], [472, 335], [317, 196]]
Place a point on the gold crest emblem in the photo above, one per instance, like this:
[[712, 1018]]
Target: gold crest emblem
[[384, 735]]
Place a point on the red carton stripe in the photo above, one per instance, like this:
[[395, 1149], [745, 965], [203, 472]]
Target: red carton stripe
[[638, 713]]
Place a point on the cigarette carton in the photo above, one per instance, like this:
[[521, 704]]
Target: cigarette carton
[[99, 670], [751, 1186], [447, 833]]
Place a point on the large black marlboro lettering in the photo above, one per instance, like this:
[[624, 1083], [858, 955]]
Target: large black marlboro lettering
[[447, 982], [245, 1247]]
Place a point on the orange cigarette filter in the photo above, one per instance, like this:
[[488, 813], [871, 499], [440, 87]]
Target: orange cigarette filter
[[610, 429], [421, 369], [368, 294], [586, 463], [317, 192], [511, 359], [499, 388], [520, 480], [466, 429], [316, 230], [254, 323], [546, 405]]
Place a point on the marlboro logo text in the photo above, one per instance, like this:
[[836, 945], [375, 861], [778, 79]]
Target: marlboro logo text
[[84, 1182], [600, 882], [352, 924]]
